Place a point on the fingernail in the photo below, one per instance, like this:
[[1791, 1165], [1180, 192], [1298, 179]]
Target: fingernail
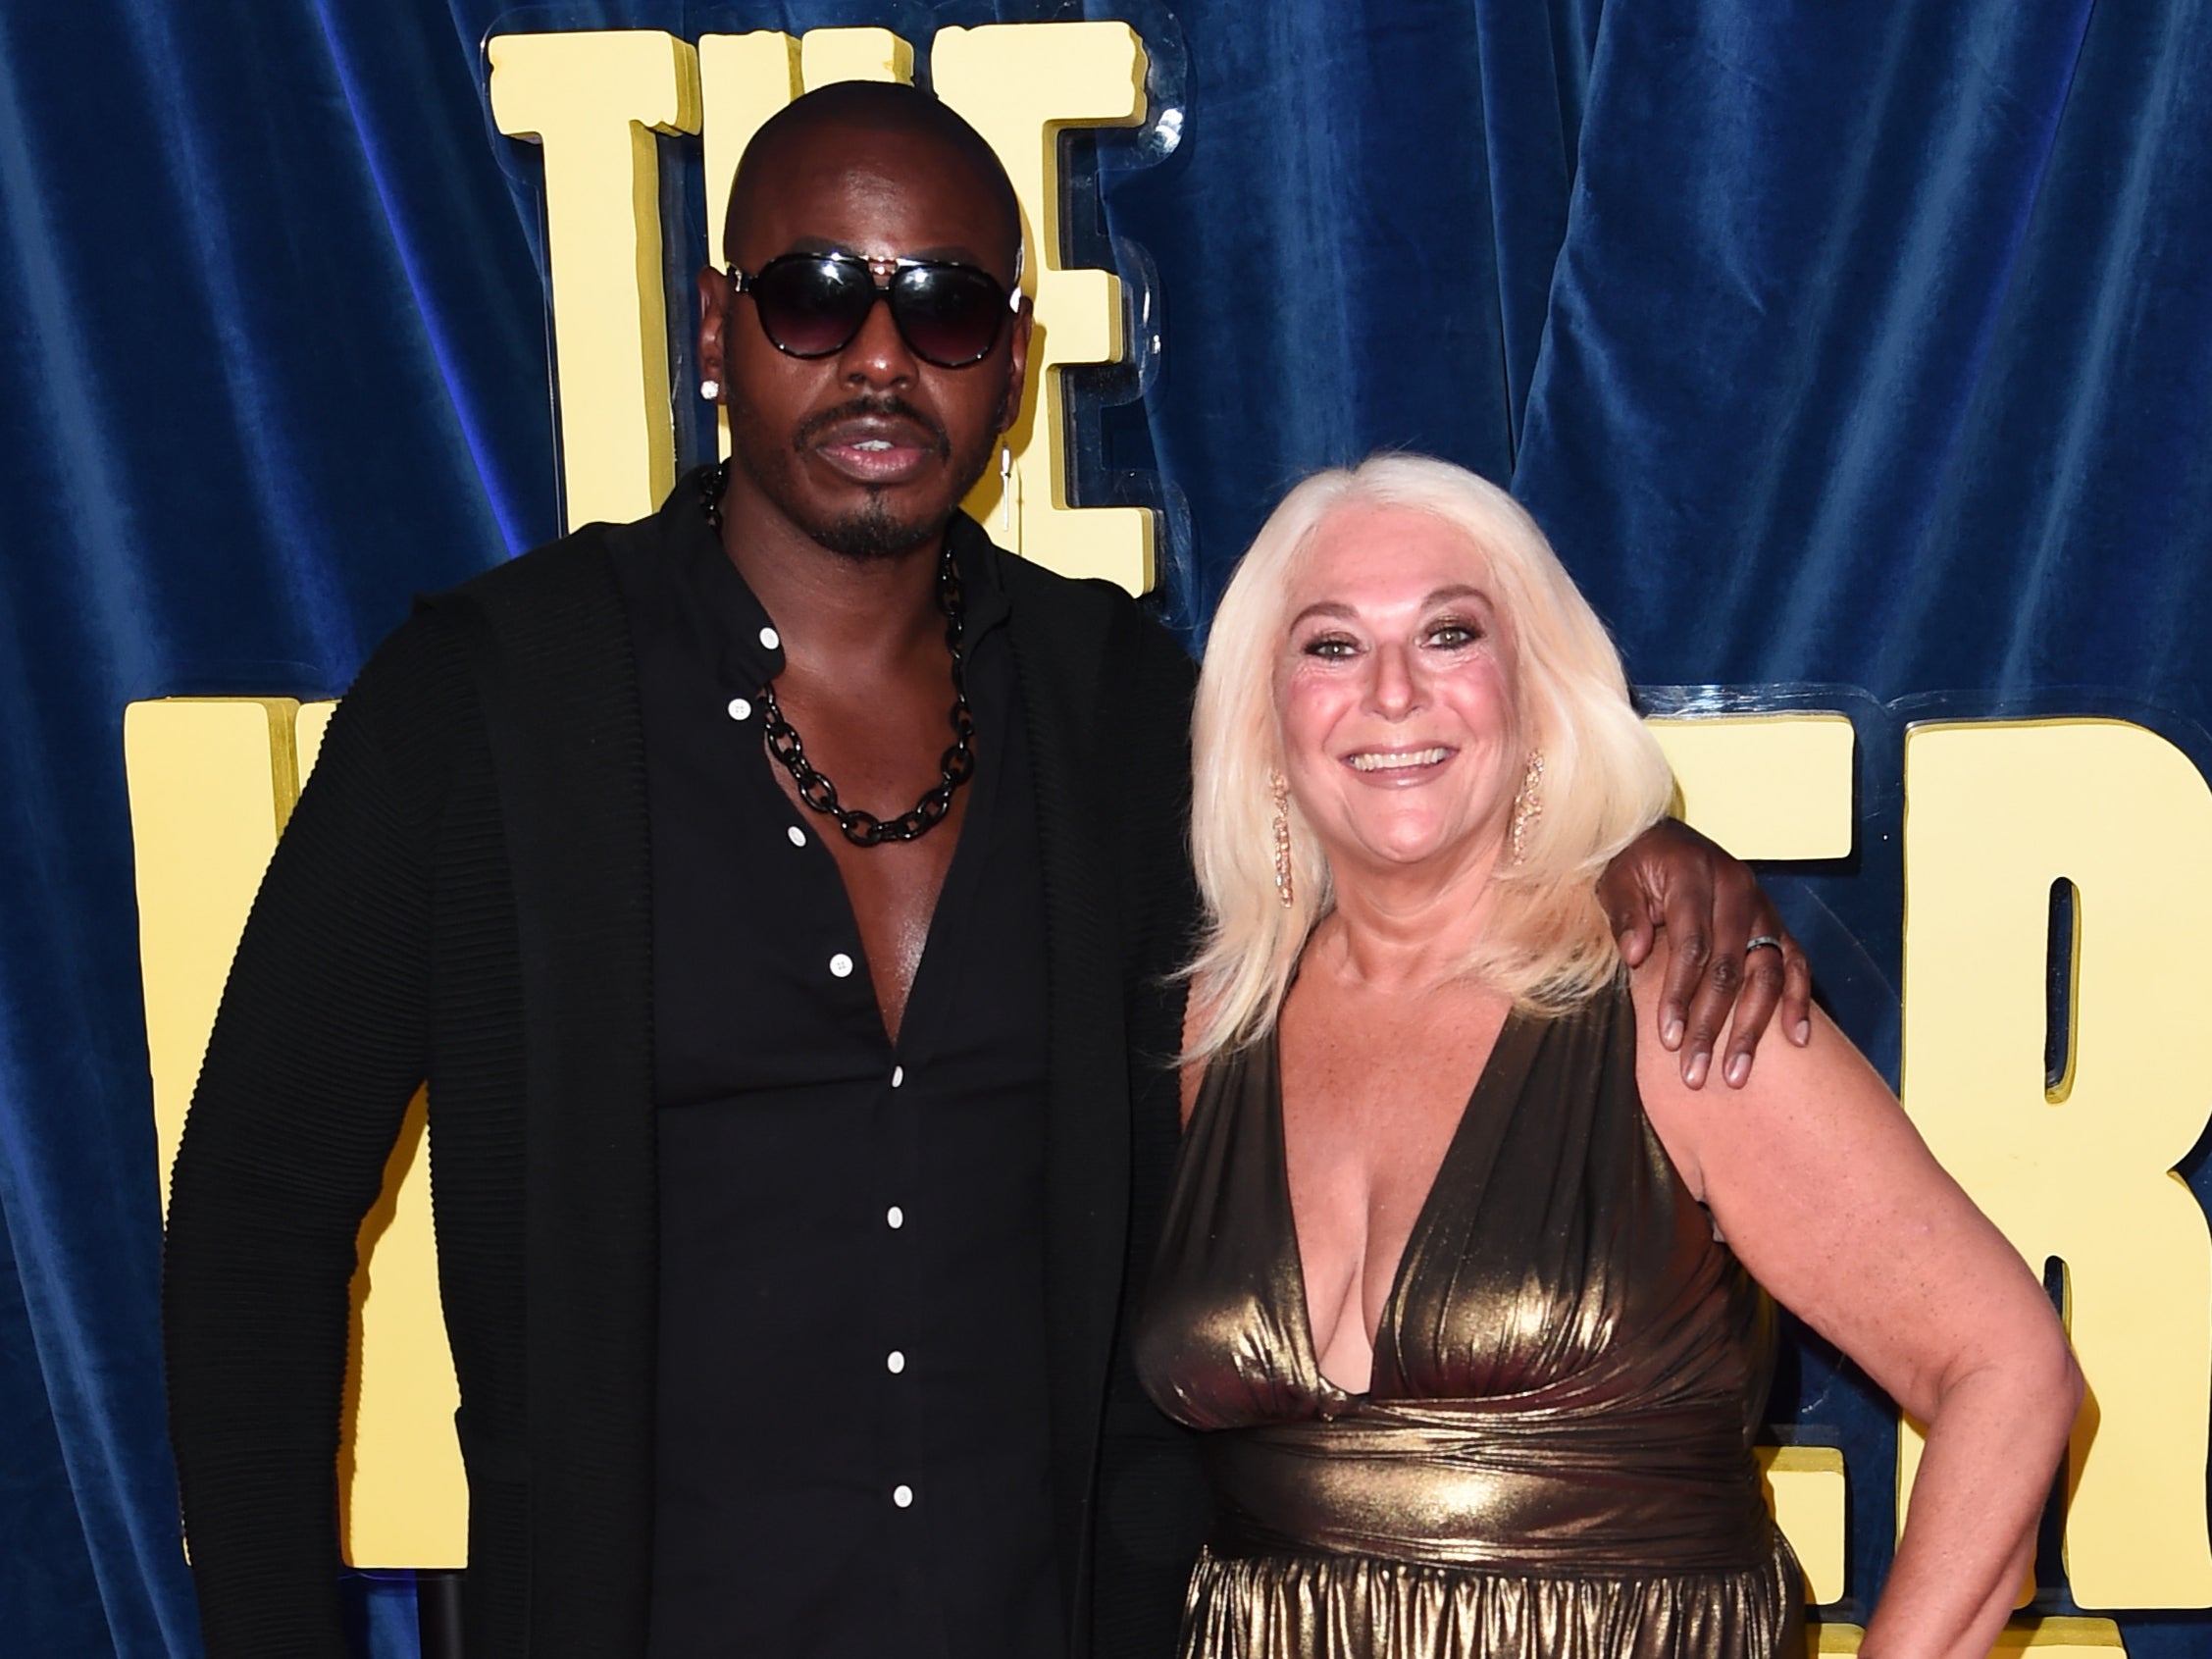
[[1804, 1032], [1739, 1069], [1695, 1075], [1671, 1033]]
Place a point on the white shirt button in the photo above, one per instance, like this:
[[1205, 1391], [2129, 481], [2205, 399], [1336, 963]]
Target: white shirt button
[[797, 836], [841, 965], [739, 710], [903, 1495], [895, 1218], [897, 1075], [770, 638], [895, 1362]]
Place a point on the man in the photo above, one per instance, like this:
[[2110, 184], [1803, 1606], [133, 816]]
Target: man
[[794, 1163]]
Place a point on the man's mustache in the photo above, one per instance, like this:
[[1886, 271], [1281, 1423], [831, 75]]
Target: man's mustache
[[881, 408]]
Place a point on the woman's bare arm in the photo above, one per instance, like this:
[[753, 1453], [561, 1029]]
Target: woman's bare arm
[[1827, 1194]]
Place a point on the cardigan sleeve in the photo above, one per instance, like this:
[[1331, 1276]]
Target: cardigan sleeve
[[319, 1044], [1154, 1511]]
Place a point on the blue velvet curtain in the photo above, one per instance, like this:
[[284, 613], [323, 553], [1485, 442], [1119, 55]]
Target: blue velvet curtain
[[1860, 345]]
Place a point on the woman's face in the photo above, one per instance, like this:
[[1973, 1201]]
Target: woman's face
[[1395, 689]]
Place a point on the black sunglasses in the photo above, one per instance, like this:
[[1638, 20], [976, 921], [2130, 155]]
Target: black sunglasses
[[813, 304]]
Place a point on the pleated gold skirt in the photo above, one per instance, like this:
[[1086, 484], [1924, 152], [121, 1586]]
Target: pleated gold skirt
[[1360, 1607]]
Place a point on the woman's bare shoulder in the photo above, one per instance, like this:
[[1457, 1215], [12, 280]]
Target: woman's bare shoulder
[[1789, 1088]]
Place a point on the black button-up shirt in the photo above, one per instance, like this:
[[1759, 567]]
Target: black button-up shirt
[[851, 1421]]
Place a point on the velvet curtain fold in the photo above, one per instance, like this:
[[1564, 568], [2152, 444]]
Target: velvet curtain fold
[[1866, 345], [274, 357]]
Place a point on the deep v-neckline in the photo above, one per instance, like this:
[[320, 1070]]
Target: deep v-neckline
[[940, 942], [1423, 1218]]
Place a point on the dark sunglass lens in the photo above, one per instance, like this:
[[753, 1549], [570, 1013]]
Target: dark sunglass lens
[[950, 314], [811, 307]]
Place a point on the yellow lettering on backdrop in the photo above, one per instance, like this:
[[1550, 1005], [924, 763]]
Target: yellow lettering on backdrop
[[211, 782], [1994, 814], [1764, 786], [2040, 1638], [593, 102], [827, 56], [1020, 86], [1777, 786], [1804, 1487], [744, 80]]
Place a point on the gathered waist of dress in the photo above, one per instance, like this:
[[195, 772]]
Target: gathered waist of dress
[[1626, 1492]]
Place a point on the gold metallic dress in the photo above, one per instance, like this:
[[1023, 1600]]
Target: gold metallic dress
[[1555, 1455]]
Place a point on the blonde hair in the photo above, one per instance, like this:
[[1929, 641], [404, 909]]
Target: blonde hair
[[1549, 944]]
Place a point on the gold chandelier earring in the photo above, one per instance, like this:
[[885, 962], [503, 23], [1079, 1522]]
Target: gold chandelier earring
[[1527, 806], [1283, 890]]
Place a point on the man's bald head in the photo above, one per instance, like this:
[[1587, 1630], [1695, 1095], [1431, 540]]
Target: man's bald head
[[903, 117]]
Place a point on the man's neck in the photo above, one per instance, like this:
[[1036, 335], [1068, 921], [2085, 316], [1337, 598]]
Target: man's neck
[[833, 611]]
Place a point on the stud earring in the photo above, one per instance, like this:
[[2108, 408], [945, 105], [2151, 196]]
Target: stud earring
[[1528, 805], [710, 390], [1283, 890]]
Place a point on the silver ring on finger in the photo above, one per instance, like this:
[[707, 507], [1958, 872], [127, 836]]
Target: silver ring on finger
[[1764, 942]]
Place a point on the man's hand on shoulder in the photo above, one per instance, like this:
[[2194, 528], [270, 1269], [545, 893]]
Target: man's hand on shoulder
[[1727, 948]]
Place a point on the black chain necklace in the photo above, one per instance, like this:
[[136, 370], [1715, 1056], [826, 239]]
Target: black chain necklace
[[954, 766]]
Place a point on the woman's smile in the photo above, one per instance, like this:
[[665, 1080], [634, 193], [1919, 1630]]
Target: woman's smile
[[1400, 765]]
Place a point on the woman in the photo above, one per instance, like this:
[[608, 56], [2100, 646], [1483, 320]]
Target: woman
[[1484, 1376]]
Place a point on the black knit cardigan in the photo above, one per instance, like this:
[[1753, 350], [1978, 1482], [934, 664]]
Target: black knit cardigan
[[463, 896]]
